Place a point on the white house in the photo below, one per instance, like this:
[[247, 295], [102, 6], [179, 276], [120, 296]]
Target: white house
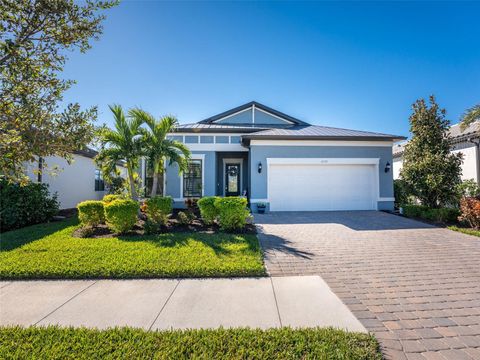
[[79, 181], [467, 142]]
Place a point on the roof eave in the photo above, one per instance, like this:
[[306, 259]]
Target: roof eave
[[216, 130], [343, 138]]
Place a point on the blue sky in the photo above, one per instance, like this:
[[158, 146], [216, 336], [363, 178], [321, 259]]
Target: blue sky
[[356, 65]]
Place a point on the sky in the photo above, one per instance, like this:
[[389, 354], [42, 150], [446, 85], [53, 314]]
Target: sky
[[356, 65]]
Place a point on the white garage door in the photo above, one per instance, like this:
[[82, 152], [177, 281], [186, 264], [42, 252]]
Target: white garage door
[[316, 187]]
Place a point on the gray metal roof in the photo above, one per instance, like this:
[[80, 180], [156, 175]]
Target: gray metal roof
[[320, 132], [201, 127], [456, 133]]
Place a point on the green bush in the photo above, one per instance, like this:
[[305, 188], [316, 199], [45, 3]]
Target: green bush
[[185, 218], [121, 215], [413, 210], [443, 215], [448, 215], [208, 211], [232, 212], [91, 212], [112, 197], [158, 208], [401, 193], [25, 205]]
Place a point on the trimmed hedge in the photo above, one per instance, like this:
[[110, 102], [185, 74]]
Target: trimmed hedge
[[443, 215], [208, 211], [121, 215], [25, 205], [112, 197], [158, 208], [91, 213], [232, 212]]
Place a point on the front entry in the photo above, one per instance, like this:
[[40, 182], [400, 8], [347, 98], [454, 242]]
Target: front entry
[[232, 179]]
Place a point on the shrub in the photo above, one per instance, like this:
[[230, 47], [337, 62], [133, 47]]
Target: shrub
[[468, 188], [401, 193], [447, 215], [414, 210], [112, 197], [185, 218], [470, 211], [121, 215], [91, 212], [208, 211], [443, 215], [25, 205], [232, 212], [192, 204], [158, 208]]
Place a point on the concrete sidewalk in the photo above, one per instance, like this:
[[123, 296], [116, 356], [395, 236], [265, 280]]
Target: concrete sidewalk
[[299, 301]]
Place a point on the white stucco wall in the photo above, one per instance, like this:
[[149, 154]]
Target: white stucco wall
[[469, 165], [73, 182]]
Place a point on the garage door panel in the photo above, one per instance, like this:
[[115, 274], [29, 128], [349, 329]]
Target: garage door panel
[[321, 187]]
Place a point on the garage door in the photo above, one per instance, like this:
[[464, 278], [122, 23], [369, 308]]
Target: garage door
[[315, 187]]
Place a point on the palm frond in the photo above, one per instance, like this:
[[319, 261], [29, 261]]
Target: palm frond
[[470, 116]]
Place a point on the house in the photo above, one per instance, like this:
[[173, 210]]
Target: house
[[273, 158], [465, 141], [75, 182]]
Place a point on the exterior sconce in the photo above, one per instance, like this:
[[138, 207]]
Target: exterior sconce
[[387, 167], [259, 167]]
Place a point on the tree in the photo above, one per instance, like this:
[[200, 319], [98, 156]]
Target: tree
[[429, 169], [35, 36], [122, 144], [157, 147], [470, 116]]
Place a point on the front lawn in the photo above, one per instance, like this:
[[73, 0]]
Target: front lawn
[[127, 343], [468, 231], [50, 251]]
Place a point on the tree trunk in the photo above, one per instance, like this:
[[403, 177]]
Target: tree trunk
[[154, 185], [133, 192]]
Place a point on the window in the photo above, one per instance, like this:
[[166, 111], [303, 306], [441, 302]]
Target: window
[[99, 183], [192, 179]]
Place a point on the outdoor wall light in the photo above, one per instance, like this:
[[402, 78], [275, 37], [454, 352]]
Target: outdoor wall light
[[387, 167], [259, 167]]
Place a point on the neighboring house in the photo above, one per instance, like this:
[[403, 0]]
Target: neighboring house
[[274, 158], [75, 182], [466, 142]]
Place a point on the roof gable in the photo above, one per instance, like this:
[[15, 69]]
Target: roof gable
[[253, 114]]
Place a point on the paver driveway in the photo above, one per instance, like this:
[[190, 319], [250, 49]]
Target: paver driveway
[[417, 287]]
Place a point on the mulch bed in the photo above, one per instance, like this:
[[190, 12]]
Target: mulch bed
[[173, 226]]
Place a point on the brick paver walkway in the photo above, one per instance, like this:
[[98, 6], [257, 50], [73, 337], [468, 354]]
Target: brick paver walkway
[[417, 287]]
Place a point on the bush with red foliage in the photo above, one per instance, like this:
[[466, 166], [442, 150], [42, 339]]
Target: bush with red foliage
[[470, 208]]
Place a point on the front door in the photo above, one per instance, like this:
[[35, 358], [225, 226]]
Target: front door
[[232, 179]]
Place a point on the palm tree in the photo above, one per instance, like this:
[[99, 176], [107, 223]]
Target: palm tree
[[470, 116], [124, 143], [157, 147]]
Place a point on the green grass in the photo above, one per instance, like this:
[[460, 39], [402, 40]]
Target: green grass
[[127, 343], [50, 251], [465, 230]]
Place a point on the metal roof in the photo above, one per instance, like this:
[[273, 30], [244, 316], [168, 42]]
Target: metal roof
[[201, 127], [312, 132]]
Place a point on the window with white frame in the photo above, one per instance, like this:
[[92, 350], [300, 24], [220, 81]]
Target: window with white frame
[[99, 183], [192, 179]]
